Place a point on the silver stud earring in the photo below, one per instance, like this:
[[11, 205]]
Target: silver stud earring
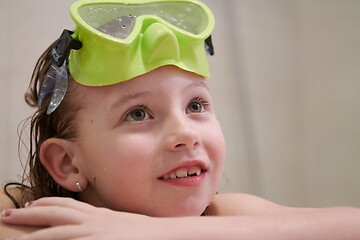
[[78, 186]]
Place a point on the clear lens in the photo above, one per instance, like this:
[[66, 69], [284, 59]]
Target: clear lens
[[119, 20], [120, 27]]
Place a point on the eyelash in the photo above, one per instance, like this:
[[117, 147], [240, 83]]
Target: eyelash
[[203, 103]]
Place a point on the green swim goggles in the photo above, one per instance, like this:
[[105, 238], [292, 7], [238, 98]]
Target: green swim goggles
[[117, 40]]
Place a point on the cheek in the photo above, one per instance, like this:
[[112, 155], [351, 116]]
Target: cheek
[[121, 167], [117, 155], [217, 143], [129, 152], [217, 150]]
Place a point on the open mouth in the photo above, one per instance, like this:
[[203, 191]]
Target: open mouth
[[184, 173]]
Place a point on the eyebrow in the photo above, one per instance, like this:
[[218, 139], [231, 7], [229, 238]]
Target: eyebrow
[[201, 83], [128, 97], [131, 96]]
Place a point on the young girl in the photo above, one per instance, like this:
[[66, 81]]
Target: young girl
[[126, 144]]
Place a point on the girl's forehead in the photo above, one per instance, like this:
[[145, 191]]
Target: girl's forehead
[[166, 77]]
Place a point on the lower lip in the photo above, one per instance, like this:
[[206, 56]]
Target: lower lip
[[187, 181]]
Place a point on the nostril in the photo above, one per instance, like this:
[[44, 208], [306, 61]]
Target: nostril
[[179, 145], [182, 145], [182, 138]]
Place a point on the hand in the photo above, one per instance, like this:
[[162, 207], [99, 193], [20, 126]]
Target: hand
[[65, 218]]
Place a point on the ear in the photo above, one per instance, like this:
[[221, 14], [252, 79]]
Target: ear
[[58, 157]]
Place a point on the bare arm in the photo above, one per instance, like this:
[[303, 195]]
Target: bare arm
[[334, 223], [258, 219], [7, 231], [251, 217]]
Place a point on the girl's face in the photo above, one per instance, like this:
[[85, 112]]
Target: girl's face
[[151, 145]]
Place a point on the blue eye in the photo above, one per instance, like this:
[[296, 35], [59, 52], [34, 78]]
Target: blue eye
[[140, 113], [197, 105]]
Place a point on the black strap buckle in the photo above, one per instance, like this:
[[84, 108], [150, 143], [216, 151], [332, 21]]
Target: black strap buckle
[[61, 51], [209, 46]]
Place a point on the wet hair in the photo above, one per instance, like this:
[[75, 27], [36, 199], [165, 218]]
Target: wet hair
[[36, 181]]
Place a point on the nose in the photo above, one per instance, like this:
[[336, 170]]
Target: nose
[[182, 134]]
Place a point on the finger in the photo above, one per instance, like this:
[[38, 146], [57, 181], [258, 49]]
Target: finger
[[56, 233], [61, 201], [42, 216]]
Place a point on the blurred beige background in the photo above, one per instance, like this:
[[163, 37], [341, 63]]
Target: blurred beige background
[[285, 78]]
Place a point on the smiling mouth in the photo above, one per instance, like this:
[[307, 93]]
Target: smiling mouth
[[183, 173]]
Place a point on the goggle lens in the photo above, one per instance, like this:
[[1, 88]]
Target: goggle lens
[[119, 20]]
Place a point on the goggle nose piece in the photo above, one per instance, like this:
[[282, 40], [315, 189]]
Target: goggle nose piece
[[159, 43]]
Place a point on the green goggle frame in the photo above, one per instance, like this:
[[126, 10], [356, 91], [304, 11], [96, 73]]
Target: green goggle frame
[[124, 39]]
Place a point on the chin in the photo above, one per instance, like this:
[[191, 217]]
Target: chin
[[189, 207]]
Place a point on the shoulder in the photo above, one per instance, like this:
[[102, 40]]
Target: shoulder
[[237, 204], [7, 231], [5, 201]]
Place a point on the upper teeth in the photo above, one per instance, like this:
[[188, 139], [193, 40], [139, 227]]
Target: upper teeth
[[183, 172]]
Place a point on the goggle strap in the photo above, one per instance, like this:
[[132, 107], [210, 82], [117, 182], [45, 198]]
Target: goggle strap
[[209, 47], [62, 49], [55, 82]]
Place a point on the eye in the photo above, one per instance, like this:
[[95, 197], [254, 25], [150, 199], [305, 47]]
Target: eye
[[139, 113], [197, 105]]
